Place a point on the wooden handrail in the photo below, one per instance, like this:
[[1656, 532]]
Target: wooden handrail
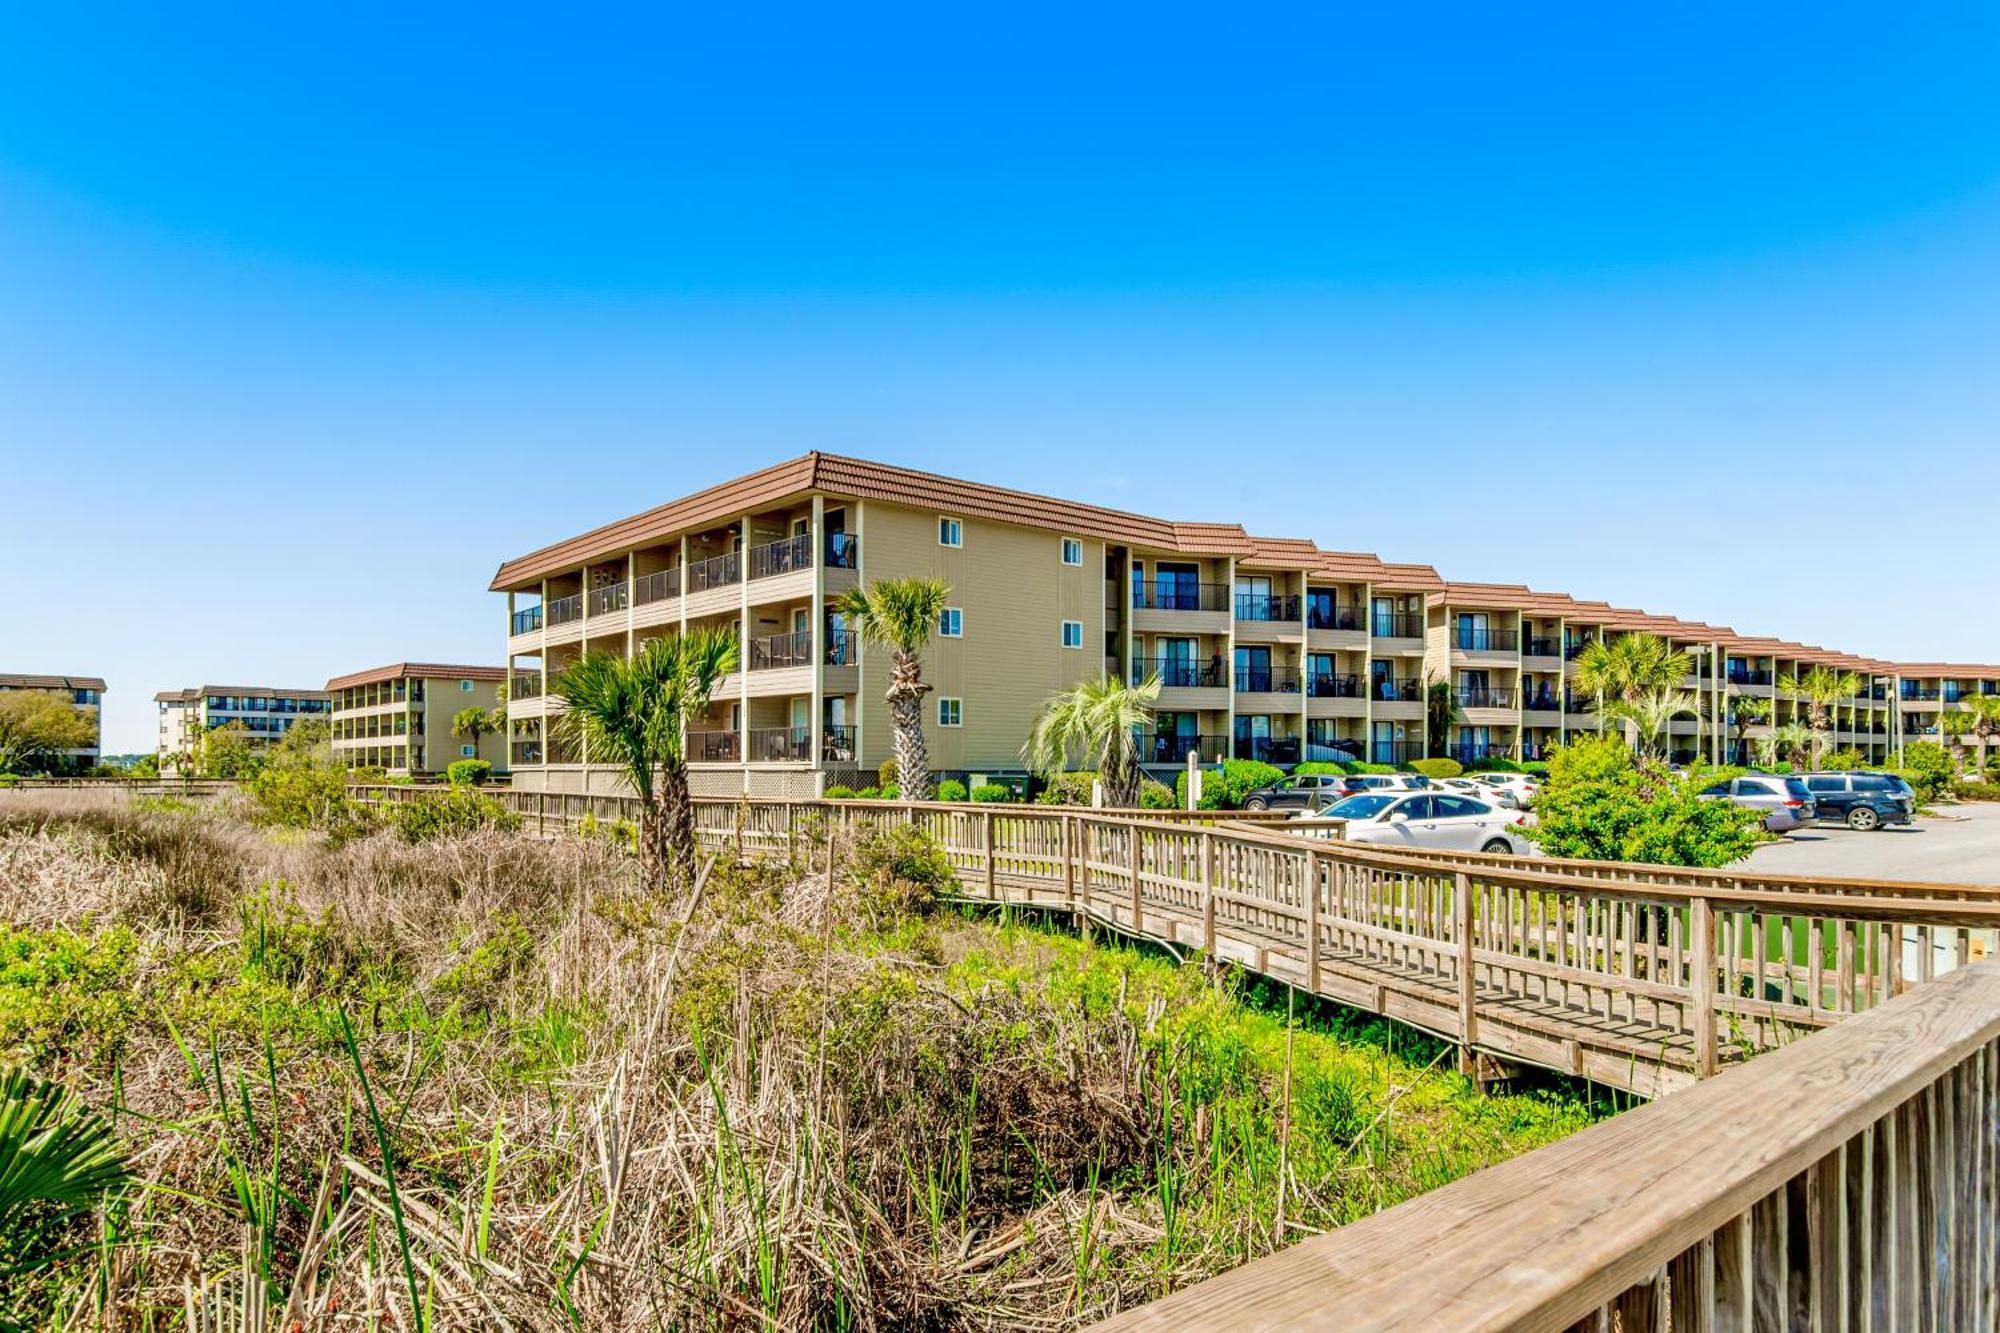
[[1878, 1135]]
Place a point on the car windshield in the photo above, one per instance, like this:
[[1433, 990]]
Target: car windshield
[[1360, 807]]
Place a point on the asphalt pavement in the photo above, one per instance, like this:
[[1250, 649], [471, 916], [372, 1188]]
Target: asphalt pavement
[[1959, 846]]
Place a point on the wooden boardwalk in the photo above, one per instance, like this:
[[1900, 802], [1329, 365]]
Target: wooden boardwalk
[[1641, 978]]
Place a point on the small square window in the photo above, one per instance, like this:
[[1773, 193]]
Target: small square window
[[951, 712], [951, 623], [950, 533], [1072, 634], [468, 751], [466, 686], [1072, 551]]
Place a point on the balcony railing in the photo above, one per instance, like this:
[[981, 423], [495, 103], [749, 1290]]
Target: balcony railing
[[1539, 646], [1267, 680], [781, 745], [1268, 749], [525, 685], [1542, 701], [836, 745], [1181, 596], [1324, 613], [527, 620], [1574, 648], [1175, 674], [611, 597], [1394, 752], [1484, 698], [1747, 677], [1470, 752], [1174, 747], [1471, 639], [781, 557], [714, 747], [1385, 690], [525, 752], [1396, 625], [1917, 694], [843, 550], [1267, 606], [560, 749], [774, 652], [657, 586], [718, 571], [843, 649], [565, 609], [1332, 685], [1579, 703]]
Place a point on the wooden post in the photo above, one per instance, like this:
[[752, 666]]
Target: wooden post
[[1468, 1018], [1067, 825], [1312, 922], [1138, 917], [1208, 895], [1701, 983], [986, 845]]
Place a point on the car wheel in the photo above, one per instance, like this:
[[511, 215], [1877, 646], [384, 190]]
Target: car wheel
[[1500, 845], [1863, 820], [1256, 803]]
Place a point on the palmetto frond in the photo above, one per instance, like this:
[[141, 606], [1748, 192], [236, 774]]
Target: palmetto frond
[[632, 712], [51, 1151], [1095, 722], [1631, 665], [1822, 685], [896, 613], [1653, 711]]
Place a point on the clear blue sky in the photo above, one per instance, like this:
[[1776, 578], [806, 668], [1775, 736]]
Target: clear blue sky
[[307, 320]]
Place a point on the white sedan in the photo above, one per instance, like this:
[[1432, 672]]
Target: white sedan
[[1438, 821]]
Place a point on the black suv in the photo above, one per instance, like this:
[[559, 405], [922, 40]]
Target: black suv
[[1863, 801], [1306, 791]]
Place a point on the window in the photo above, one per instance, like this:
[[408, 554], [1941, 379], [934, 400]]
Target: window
[[950, 532], [1072, 551], [468, 751], [1457, 807], [465, 686], [951, 712], [1826, 784], [951, 623], [1072, 634]]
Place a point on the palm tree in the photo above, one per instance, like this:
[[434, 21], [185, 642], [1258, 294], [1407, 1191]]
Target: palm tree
[[472, 723], [633, 712], [1956, 723], [1985, 722], [1635, 675], [1651, 715], [1822, 688], [53, 1155], [1441, 714], [1745, 712], [1098, 721], [901, 615], [1790, 741]]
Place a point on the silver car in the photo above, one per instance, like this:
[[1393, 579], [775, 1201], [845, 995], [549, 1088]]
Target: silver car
[[1785, 801]]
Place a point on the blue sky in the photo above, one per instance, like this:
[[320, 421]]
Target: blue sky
[[1689, 309]]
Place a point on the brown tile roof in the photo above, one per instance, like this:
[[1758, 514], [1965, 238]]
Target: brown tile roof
[[176, 696], [198, 691], [416, 671], [12, 681], [1948, 670]]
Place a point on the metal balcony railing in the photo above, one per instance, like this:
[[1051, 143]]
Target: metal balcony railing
[[527, 620], [781, 557], [1332, 685], [714, 747], [525, 685], [776, 651], [781, 745], [1396, 625], [1180, 596], [1539, 646], [657, 586], [1268, 749], [1488, 697], [843, 550], [1175, 747], [1472, 639], [1265, 606], [565, 609], [836, 745], [718, 571], [611, 597], [1179, 674], [1267, 680], [843, 649], [1324, 613], [1386, 690]]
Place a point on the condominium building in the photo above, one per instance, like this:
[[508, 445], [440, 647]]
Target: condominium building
[[264, 712], [399, 717], [86, 696], [1265, 648]]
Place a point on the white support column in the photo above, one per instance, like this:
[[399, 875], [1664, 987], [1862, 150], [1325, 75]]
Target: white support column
[[820, 643], [743, 624]]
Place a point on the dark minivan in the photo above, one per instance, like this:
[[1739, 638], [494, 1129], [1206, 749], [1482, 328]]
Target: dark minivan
[[1862, 801]]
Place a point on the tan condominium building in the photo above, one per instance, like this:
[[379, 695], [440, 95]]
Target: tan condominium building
[[264, 712], [399, 717], [1265, 648], [86, 695]]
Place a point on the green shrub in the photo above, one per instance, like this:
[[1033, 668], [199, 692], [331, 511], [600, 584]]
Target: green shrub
[[1842, 760], [951, 789], [450, 813], [1538, 767], [467, 772], [1328, 767], [1928, 768], [1437, 768], [840, 792], [890, 793], [905, 858], [1069, 789], [1600, 804], [886, 775], [1977, 791], [868, 794], [1155, 795], [1223, 788], [992, 791]]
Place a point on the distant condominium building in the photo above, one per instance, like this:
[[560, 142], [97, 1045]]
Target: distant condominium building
[[399, 717], [264, 712], [86, 695], [1265, 648]]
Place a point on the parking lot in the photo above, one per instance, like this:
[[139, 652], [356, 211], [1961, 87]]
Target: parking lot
[[1962, 849]]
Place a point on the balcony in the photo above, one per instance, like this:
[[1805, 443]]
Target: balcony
[[843, 649], [1919, 695], [1176, 674], [611, 597], [1333, 686], [1574, 648], [560, 748], [843, 550], [1267, 680], [773, 652], [713, 747], [1541, 701], [565, 609], [1323, 613], [1396, 625], [527, 620], [1578, 703], [781, 745], [1484, 698], [836, 745], [1542, 646], [1180, 596], [1473, 752], [524, 752], [1385, 690], [1264, 606], [525, 685], [1174, 748], [1268, 749], [781, 557], [1470, 639], [1744, 679], [657, 586], [1394, 752], [718, 571]]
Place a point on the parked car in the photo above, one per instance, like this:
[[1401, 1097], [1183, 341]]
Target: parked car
[[1523, 787], [1786, 802], [1358, 783], [1309, 791], [1440, 821], [1503, 797], [1862, 801]]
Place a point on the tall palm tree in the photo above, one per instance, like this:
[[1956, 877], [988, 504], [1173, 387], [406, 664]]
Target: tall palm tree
[[1441, 714], [1651, 716], [1986, 722], [1097, 721], [1790, 741], [1745, 712], [633, 712], [472, 723], [1955, 723], [1635, 675], [1822, 688], [901, 615]]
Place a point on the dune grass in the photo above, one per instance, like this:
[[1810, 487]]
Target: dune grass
[[484, 1081]]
